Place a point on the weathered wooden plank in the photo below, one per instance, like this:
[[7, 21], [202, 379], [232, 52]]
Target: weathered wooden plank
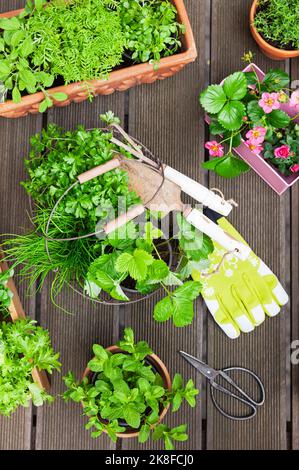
[[294, 248], [166, 118], [260, 218], [61, 426], [15, 432]]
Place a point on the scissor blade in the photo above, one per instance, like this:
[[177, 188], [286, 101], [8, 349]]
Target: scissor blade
[[203, 368]]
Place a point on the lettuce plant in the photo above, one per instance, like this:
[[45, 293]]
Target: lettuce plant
[[124, 391], [246, 107], [23, 346]]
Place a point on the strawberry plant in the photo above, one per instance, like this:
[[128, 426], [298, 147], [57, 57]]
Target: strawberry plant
[[124, 391]]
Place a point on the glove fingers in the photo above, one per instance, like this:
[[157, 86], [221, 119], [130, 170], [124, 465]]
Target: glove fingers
[[222, 318], [273, 283], [239, 310], [250, 300], [265, 295]]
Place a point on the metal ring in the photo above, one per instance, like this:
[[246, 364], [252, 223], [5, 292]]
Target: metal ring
[[252, 405]]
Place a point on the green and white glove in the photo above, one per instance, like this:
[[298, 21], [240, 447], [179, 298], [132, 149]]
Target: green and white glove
[[240, 293]]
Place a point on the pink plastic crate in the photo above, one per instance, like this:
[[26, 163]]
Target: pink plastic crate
[[269, 173]]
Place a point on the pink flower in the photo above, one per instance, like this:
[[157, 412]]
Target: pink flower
[[294, 101], [269, 102], [255, 148], [282, 152], [295, 168], [215, 149], [257, 135]]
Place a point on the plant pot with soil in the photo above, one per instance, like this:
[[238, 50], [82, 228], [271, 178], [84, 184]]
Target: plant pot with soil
[[126, 392], [26, 354], [71, 237], [275, 27], [251, 112], [50, 55]]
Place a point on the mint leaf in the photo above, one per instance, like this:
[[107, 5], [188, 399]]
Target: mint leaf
[[131, 416], [144, 433]]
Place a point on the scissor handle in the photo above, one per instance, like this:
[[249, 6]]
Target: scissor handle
[[244, 398]]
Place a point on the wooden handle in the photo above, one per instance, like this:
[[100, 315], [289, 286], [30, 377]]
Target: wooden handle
[[98, 170], [124, 219]]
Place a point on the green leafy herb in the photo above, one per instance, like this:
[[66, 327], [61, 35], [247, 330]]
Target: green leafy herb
[[23, 346], [277, 21], [127, 391]]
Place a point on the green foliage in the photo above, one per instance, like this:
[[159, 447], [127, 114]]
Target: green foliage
[[134, 256], [289, 137], [5, 293], [278, 22], [81, 40], [150, 29], [233, 109], [23, 346], [127, 391]]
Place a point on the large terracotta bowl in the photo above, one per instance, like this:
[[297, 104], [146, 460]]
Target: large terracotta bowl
[[119, 80], [161, 369], [270, 51]]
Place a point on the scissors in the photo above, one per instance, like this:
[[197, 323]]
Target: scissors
[[212, 374]]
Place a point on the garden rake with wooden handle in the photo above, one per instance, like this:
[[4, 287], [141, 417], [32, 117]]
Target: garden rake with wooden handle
[[158, 193]]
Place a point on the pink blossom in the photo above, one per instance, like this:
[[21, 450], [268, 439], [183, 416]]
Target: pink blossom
[[282, 152], [255, 148], [294, 101], [257, 135], [215, 149], [295, 168], [269, 102]]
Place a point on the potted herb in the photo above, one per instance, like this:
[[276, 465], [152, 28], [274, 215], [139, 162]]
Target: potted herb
[[252, 113], [126, 392], [275, 27], [25, 353], [51, 55], [128, 264]]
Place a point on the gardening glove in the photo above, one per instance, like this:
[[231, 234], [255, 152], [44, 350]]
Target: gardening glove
[[239, 293]]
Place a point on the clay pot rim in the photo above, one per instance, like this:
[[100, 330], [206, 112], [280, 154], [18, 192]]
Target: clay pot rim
[[167, 384], [264, 44], [188, 54]]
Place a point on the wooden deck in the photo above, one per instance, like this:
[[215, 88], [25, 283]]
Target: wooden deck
[[167, 117]]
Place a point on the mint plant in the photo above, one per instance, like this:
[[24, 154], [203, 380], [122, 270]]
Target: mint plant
[[23, 346], [277, 21], [246, 107], [125, 392]]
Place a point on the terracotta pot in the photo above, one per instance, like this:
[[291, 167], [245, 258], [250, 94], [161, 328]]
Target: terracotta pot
[[119, 80], [270, 51], [161, 369], [17, 313]]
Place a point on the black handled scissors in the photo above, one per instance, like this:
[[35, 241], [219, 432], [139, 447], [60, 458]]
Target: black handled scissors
[[212, 374]]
